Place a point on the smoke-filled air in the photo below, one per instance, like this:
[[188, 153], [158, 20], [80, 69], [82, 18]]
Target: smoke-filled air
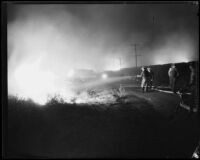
[[48, 43]]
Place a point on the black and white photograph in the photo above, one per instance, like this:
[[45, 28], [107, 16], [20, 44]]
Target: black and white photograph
[[114, 79]]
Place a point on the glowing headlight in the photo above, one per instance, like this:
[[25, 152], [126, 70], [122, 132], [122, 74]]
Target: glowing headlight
[[104, 76], [70, 73]]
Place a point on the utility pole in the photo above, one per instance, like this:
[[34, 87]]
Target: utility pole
[[136, 55], [153, 20], [120, 63], [153, 26]]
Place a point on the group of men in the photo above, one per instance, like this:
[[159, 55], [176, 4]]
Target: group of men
[[147, 79], [147, 76], [174, 74]]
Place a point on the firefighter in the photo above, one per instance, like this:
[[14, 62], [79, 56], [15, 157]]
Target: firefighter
[[173, 75], [151, 77], [144, 75]]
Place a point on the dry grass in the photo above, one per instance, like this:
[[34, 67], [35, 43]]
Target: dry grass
[[61, 130]]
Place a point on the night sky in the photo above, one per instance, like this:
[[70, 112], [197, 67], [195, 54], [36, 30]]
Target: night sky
[[62, 37]]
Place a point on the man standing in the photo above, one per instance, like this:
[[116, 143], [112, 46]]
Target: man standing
[[151, 77], [193, 87], [173, 74], [144, 75]]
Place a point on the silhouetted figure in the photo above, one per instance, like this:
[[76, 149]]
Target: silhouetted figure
[[173, 75], [121, 91], [145, 76], [190, 100], [193, 87], [151, 77]]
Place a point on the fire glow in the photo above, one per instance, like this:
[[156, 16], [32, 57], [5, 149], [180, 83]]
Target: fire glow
[[40, 86], [34, 83], [47, 43]]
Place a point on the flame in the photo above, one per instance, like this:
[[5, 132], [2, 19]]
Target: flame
[[37, 84], [33, 82]]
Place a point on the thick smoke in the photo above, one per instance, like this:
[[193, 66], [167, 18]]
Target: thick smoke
[[45, 42]]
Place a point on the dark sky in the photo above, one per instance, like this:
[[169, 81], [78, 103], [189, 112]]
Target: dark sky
[[60, 38]]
